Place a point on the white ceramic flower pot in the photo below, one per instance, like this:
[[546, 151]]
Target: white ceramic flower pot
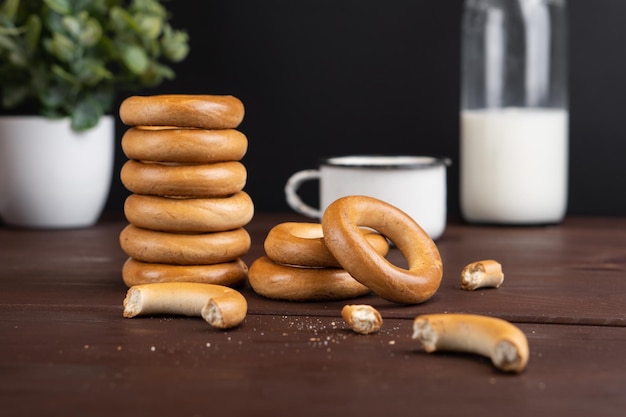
[[51, 176]]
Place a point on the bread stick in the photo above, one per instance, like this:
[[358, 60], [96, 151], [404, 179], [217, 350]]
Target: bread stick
[[222, 307], [492, 337], [482, 274]]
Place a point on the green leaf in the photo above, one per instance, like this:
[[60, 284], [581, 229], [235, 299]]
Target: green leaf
[[8, 28], [175, 45], [9, 8], [18, 58], [149, 26], [63, 75], [59, 6], [54, 96], [7, 43], [152, 7], [121, 20], [61, 47], [72, 25], [91, 33], [156, 74], [135, 59], [53, 22], [105, 96], [84, 29], [86, 114], [91, 71], [33, 33], [94, 6]]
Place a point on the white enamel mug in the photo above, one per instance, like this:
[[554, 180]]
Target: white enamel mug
[[414, 184]]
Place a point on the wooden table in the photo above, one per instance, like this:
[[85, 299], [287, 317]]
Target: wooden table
[[66, 350]]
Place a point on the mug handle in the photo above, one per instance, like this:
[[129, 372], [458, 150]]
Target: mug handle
[[291, 192]]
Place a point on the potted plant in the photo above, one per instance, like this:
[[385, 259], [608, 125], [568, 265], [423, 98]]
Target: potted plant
[[62, 63]]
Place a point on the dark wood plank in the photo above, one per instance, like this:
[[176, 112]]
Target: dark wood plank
[[570, 273], [65, 348], [56, 362]]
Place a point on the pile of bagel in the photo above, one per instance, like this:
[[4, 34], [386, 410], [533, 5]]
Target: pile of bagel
[[187, 208], [298, 266], [344, 256]]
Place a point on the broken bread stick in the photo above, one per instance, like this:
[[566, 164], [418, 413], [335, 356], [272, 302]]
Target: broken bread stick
[[492, 337], [220, 306], [482, 274], [362, 318]]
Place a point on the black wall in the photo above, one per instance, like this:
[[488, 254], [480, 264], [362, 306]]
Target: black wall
[[325, 77]]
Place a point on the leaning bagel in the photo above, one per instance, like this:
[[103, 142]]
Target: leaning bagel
[[204, 180], [230, 274], [291, 283], [183, 110], [341, 224], [296, 243], [184, 145], [198, 215], [184, 248]]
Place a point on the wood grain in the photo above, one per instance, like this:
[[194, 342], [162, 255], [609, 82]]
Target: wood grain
[[65, 348]]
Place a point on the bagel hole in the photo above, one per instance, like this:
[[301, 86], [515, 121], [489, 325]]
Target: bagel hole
[[312, 232], [396, 257]]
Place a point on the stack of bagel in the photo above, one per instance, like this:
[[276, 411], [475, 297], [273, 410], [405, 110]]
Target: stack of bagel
[[345, 256], [298, 266], [187, 208]]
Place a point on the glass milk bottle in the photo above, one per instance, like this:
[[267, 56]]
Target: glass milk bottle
[[514, 111]]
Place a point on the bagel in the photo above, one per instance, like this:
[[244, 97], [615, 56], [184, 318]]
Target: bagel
[[184, 248], [198, 215], [219, 179], [292, 283], [341, 223], [230, 274], [184, 145], [182, 110], [302, 244]]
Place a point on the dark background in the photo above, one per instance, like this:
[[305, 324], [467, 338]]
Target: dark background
[[326, 77]]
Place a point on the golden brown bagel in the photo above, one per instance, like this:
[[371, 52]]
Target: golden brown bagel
[[183, 110], [184, 248], [219, 179], [341, 224], [292, 283], [302, 244], [197, 215], [184, 145], [230, 274]]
